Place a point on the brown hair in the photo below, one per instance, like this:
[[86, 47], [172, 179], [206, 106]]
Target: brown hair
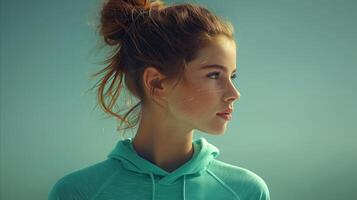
[[147, 34]]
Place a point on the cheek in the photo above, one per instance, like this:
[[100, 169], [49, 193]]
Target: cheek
[[195, 101]]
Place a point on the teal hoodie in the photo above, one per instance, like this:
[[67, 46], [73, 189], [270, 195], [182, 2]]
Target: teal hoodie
[[124, 175]]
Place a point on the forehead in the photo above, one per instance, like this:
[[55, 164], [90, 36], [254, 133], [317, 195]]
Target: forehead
[[220, 53]]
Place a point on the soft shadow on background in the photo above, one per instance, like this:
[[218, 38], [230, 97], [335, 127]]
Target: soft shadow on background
[[295, 124]]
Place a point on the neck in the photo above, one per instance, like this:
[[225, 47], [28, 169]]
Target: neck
[[166, 153]]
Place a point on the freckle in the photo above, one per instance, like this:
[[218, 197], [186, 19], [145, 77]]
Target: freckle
[[188, 99]]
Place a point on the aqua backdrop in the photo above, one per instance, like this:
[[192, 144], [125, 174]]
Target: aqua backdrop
[[295, 124]]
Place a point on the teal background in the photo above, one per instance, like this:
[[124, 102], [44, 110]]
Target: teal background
[[295, 124]]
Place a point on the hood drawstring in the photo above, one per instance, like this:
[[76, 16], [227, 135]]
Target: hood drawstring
[[153, 186], [183, 187], [203, 154]]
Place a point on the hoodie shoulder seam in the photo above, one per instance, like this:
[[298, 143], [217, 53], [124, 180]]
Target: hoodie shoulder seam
[[224, 184], [104, 185]]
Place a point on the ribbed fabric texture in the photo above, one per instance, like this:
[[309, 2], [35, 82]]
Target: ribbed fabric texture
[[124, 175]]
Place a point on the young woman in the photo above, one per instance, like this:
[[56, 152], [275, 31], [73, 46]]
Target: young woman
[[180, 62]]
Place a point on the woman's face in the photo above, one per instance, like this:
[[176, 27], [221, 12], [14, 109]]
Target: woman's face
[[206, 91]]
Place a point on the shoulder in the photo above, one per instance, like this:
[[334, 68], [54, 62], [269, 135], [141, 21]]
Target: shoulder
[[246, 183], [84, 183]]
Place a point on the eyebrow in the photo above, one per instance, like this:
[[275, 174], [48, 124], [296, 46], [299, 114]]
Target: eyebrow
[[216, 66]]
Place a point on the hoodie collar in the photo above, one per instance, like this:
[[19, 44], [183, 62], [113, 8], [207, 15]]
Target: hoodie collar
[[204, 152]]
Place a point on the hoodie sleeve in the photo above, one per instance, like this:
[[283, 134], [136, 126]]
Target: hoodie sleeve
[[64, 189], [60, 191], [259, 189], [84, 183], [245, 183]]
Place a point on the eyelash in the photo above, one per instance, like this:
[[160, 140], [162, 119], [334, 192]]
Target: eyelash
[[217, 73]]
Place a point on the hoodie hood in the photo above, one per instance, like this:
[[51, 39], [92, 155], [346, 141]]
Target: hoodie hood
[[203, 154]]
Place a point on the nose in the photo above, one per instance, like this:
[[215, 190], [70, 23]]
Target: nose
[[232, 93]]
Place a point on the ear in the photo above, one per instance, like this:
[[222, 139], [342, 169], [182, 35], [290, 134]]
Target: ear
[[152, 78]]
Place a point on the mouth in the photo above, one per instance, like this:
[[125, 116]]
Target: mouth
[[226, 111], [226, 116]]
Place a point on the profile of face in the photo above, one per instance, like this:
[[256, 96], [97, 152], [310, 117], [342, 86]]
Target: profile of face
[[206, 89]]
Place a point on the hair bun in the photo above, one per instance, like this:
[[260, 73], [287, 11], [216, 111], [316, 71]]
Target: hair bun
[[157, 4], [117, 16], [145, 4], [148, 4]]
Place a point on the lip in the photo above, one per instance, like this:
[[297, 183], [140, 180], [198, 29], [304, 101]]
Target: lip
[[227, 111], [225, 116]]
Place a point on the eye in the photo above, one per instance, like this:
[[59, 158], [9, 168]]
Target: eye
[[217, 73]]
